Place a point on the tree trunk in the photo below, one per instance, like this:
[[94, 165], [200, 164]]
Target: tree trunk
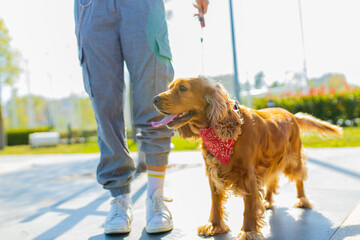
[[2, 132]]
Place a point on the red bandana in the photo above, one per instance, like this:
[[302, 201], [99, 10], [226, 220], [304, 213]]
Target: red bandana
[[222, 150]]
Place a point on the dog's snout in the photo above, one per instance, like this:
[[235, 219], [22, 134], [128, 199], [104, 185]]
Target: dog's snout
[[156, 100]]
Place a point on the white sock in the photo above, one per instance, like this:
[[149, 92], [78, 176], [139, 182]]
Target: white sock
[[155, 183], [124, 196]]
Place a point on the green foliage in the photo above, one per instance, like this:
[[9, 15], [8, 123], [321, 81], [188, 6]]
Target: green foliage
[[77, 133], [351, 139], [73, 110], [335, 107], [259, 80], [21, 136], [89, 133], [41, 112], [185, 145], [9, 59], [9, 69], [276, 84]]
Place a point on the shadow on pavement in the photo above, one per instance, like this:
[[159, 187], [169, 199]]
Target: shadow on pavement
[[74, 217], [144, 236], [109, 237], [300, 224], [53, 185], [54, 206], [335, 168], [175, 234], [49, 187]]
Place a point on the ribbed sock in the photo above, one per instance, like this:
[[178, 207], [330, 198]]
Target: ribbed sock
[[155, 183], [124, 196]]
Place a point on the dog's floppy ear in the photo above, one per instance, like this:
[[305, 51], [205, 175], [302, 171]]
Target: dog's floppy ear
[[218, 100], [185, 132], [225, 121]]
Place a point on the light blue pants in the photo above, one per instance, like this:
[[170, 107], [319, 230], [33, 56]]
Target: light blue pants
[[110, 32]]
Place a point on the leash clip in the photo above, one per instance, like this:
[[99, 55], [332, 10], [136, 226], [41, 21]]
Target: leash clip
[[236, 104]]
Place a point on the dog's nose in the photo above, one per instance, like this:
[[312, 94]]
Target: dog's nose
[[156, 100]]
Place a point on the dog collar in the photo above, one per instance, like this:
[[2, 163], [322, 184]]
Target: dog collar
[[220, 149]]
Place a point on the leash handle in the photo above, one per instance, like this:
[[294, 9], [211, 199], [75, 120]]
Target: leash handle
[[202, 22]]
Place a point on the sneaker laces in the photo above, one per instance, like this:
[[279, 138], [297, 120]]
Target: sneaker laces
[[159, 207], [119, 207]]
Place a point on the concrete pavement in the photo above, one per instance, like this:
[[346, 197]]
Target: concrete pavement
[[57, 197]]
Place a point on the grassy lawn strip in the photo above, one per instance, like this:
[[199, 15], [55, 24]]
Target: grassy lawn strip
[[351, 139], [89, 147]]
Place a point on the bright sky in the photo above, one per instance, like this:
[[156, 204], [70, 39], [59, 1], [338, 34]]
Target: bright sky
[[267, 33]]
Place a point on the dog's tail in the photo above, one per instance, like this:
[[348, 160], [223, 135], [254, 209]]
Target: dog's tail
[[308, 123]]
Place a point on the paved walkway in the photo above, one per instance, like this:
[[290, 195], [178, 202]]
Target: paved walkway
[[57, 197]]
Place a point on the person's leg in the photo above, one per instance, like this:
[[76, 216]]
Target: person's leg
[[102, 63], [146, 50], [156, 178]]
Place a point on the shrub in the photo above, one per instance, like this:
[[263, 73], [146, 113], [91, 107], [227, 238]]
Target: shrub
[[21, 136], [77, 134], [334, 107]]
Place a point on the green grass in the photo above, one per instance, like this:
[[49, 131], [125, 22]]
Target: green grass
[[184, 145], [351, 139], [88, 147]]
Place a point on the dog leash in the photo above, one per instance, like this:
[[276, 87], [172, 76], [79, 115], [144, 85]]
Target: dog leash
[[202, 25]]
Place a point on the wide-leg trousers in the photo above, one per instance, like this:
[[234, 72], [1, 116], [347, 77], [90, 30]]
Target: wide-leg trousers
[[109, 33]]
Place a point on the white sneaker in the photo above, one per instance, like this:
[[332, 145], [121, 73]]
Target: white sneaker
[[120, 216], [158, 216]]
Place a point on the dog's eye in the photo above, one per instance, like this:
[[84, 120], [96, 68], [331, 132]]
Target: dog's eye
[[183, 88]]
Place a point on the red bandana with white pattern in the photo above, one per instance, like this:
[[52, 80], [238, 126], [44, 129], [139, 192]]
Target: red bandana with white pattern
[[220, 149]]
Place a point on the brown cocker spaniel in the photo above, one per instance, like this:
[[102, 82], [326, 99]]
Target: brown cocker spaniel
[[265, 143]]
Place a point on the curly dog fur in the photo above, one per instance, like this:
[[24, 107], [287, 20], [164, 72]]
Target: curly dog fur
[[267, 143]]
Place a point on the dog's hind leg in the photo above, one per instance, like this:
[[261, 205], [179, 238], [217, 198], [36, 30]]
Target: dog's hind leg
[[296, 172], [270, 190], [218, 215], [303, 201]]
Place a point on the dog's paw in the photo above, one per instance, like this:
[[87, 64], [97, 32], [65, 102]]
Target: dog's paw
[[250, 236], [210, 229], [303, 203]]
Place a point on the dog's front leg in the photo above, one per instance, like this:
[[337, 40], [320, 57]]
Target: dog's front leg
[[216, 222], [253, 214]]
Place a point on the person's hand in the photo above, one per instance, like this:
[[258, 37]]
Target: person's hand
[[201, 6]]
